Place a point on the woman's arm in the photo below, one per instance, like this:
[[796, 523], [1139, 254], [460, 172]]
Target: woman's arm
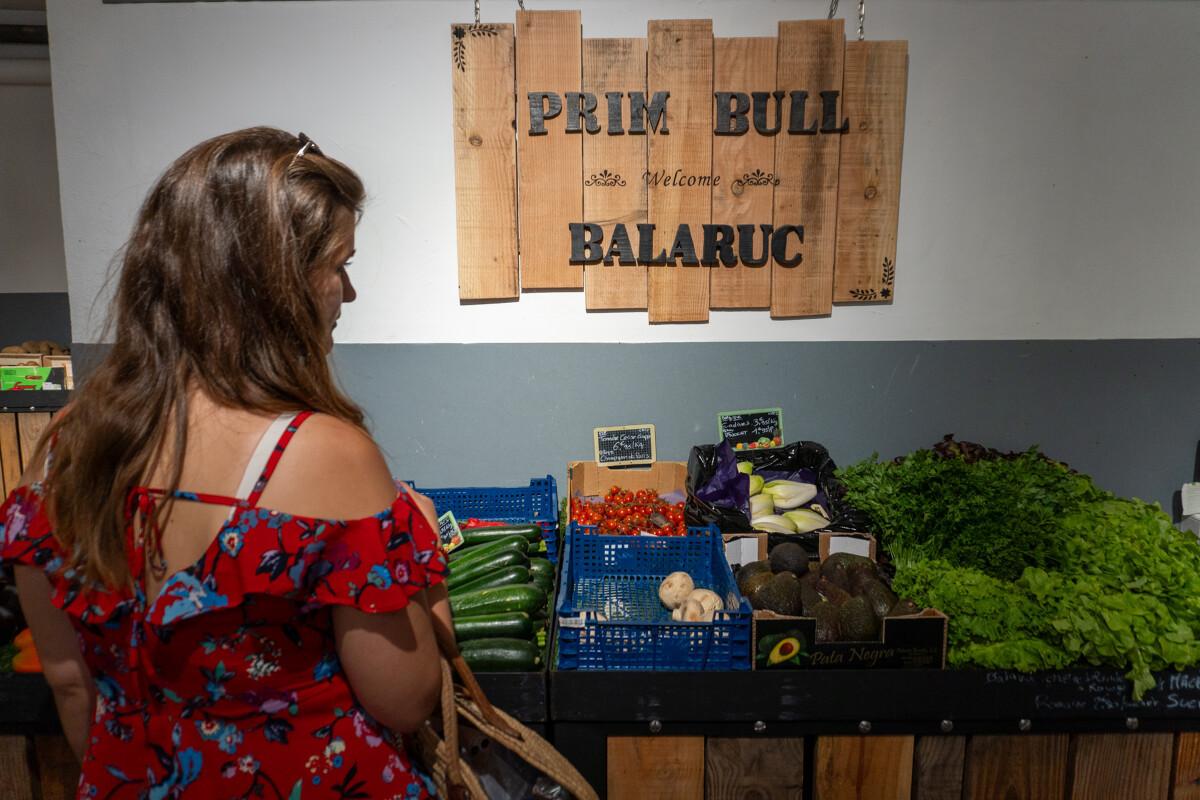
[[334, 470], [57, 643], [62, 662]]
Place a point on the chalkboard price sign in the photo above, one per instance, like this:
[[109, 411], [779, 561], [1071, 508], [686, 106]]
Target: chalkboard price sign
[[624, 445], [752, 429], [448, 531]]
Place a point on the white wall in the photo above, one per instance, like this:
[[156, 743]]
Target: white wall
[[31, 234], [1050, 184]]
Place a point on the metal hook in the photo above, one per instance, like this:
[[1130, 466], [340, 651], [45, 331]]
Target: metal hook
[[862, 15]]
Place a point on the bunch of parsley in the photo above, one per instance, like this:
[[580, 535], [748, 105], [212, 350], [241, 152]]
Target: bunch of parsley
[[997, 516], [1036, 567]]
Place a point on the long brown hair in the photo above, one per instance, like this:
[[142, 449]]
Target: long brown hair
[[215, 293]]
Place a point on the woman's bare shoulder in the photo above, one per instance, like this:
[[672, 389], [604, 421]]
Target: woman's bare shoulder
[[331, 469]]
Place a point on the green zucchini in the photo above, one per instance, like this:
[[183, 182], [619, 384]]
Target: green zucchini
[[540, 566], [467, 553], [502, 577], [513, 625], [462, 575], [474, 536], [545, 584], [523, 597], [501, 655]]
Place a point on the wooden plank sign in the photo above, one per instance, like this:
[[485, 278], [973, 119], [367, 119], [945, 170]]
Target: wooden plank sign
[[613, 189], [678, 172], [746, 164], [810, 55], [550, 196], [624, 445], [868, 211], [485, 157], [752, 429], [679, 61]]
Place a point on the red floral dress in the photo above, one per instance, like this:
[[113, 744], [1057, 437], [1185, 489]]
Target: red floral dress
[[228, 684]]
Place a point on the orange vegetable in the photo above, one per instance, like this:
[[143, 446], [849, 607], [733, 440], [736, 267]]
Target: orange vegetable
[[24, 640], [27, 661]]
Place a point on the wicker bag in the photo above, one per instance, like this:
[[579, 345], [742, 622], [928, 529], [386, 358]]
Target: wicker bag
[[451, 773]]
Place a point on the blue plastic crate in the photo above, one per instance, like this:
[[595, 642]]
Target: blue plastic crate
[[537, 502], [618, 577]]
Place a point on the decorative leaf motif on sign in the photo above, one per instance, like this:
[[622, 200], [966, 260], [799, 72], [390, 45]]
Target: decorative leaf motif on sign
[[605, 178], [458, 47], [889, 278], [756, 178], [888, 281]]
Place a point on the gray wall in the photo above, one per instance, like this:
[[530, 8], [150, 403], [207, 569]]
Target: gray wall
[[31, 233], [1125, 412], [34, 315]]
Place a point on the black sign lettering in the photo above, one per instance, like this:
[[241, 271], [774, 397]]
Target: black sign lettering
[[753, 429], [626, 444]]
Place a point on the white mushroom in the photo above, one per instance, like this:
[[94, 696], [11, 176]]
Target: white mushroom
[[710, 600], [675, 588], [693, 611]]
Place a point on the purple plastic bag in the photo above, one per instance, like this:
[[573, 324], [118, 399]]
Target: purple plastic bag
[[727, 487]]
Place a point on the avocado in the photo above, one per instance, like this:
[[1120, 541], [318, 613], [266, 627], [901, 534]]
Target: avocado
[[856, 621], [826, 616], [904, 608], [781, 595], [748, 571], [879, 597], [837, 574], [786, 650], [861, 575], [832, 592], [848, 560], [754, 585], [789, 557], [809, 596]]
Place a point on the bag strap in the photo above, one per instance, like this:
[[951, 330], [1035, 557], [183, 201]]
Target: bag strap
[[470, 701], [455, 785], [449, 647]]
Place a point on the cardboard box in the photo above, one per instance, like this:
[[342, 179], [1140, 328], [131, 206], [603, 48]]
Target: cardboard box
[[912, 642], [21, 360], [860, 544], [587, 479], [743, 548], [64, 363], [17, 379]]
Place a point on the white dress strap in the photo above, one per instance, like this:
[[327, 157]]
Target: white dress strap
[[260, 456]]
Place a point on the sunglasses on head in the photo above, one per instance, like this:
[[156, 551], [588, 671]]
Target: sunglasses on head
[[307, 145]]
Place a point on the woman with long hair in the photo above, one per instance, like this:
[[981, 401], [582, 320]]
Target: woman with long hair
[[229, 594]]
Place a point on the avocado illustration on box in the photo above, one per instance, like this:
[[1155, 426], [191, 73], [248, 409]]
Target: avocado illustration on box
[[782, 649]]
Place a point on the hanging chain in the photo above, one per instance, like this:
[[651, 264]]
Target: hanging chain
[[862, 15], [520, 3]]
